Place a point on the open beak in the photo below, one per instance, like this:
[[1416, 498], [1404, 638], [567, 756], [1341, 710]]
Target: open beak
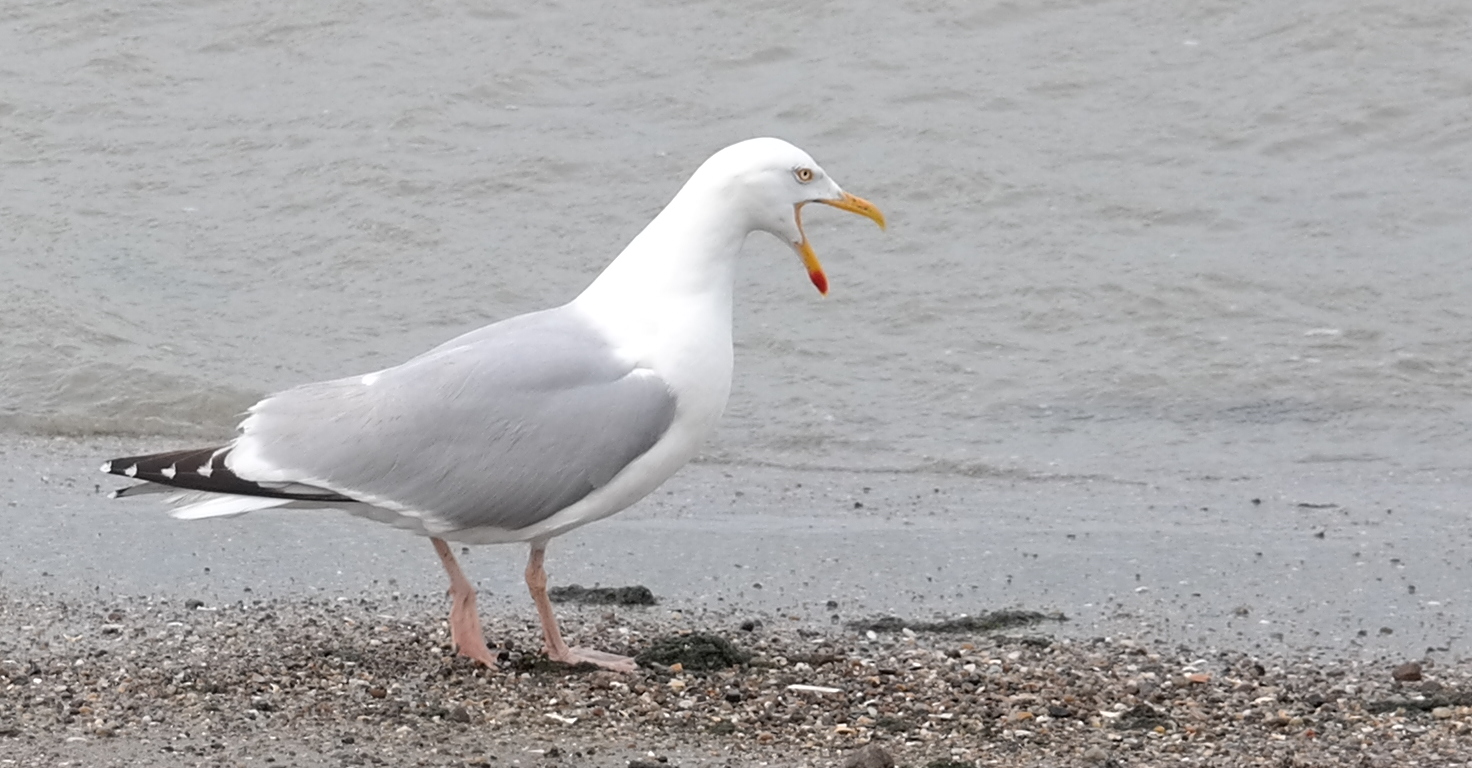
[[804, 249]]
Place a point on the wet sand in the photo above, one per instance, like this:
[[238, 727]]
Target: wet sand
[[1315, 561], [1326, 593]]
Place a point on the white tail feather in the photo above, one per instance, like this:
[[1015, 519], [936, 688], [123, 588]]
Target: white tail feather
[[195, 506]]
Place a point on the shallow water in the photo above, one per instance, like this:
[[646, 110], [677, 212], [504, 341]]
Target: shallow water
[[1223, 245]]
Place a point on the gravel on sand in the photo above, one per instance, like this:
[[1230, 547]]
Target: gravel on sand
[[150, 681]]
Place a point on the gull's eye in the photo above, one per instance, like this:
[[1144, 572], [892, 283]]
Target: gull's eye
[[804, 175]]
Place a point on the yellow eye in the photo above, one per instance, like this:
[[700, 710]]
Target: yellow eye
[[804, 175]]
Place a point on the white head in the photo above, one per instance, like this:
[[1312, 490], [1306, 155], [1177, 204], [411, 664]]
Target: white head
[[770, 180]]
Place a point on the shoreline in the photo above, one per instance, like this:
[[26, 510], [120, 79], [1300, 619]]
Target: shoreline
[[1337, 566], [287, 628]]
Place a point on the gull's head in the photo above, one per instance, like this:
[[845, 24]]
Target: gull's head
[[770, 181]]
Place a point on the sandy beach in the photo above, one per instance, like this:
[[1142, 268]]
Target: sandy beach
[[128, 638], [322, 683]]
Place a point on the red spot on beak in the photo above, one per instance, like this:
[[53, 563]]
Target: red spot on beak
[[820, 281]]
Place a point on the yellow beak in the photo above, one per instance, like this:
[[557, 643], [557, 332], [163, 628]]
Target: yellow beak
[[809, 259]]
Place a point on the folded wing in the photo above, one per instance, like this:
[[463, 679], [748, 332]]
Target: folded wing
[[502, 427]]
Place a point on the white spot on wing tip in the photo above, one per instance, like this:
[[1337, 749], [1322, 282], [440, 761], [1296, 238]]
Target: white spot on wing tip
[[107, 467], [170, 471], [131, 471], [206, 470]]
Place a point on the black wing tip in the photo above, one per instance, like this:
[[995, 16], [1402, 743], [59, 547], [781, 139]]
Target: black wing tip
[[151, 463], [121, 467], [198, 469]]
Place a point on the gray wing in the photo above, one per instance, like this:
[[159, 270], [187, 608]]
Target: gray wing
[[502, 427]]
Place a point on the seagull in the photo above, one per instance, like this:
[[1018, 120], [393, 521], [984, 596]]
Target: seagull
[[527, 428]]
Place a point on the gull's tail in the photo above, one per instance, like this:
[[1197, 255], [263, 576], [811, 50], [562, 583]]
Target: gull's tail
[[218, 490]]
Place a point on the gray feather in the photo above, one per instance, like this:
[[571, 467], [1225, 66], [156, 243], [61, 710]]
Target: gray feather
[[502, 427]]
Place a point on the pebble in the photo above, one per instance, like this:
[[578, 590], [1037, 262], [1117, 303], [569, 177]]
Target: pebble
[[1407, 672], [871, 756]]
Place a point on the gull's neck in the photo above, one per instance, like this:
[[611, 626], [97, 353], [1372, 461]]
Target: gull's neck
[[680, 269]]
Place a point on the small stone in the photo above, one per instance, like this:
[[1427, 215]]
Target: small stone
[[1141, 717], [1096, 754], [1408, 672], [871, 756], [1443, 713], [459, 715]]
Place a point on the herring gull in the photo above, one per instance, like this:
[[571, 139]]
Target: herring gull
[[532, 426]]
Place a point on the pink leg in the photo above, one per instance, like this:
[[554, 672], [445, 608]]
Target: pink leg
[[464, 622], [557, 650]]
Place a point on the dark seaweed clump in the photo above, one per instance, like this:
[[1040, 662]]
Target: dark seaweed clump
[[984, 622], [696, 652], [574, 593]]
